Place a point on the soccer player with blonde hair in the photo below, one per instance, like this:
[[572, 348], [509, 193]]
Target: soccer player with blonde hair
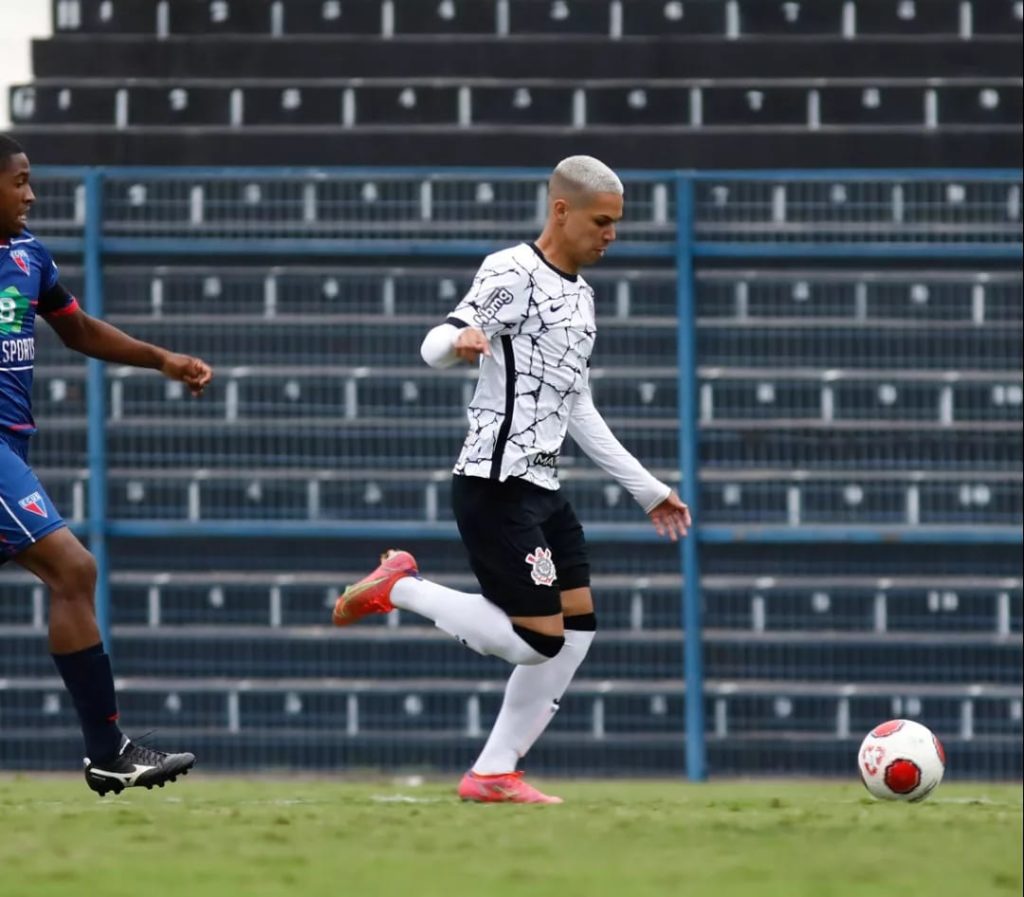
[[528, 320]]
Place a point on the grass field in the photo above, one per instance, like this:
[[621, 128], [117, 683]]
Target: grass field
[[303, 837]]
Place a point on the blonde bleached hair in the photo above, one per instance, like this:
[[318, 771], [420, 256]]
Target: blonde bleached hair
[[583, 174]]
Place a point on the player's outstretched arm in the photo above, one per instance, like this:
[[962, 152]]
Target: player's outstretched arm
[[592, 434], [98, 339]]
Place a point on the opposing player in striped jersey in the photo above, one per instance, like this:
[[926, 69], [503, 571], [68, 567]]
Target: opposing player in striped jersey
[[529, 321], [32, 532]]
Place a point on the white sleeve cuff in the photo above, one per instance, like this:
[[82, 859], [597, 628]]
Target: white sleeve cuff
[[438, 347], [662, 492]]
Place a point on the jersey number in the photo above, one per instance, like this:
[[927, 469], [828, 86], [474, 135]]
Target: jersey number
[[12, 310]]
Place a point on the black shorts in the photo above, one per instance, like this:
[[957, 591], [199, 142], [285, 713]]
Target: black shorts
[[525, 543]]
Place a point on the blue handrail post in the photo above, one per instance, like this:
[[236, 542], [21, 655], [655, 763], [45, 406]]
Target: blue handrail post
[[97, 405], [693, 664]]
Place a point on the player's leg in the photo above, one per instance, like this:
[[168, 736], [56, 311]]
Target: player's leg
[[112, 762], [33, 535], [533, 694], [518, 616], [68, 570]]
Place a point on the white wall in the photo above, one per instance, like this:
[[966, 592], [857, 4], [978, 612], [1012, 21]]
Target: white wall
[[21, 21]]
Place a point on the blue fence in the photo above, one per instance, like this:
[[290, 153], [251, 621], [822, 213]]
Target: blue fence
[[827, 363]]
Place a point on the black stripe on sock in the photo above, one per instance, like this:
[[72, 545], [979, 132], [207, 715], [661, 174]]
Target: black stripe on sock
[[581, 622], [548, 645]]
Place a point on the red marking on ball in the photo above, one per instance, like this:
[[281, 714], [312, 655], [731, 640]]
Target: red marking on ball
[[871, 759], [902, 776], [889, 728], [940, 750]]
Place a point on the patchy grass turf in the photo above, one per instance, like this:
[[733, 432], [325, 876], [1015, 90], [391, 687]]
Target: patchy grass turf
[[208, 836]]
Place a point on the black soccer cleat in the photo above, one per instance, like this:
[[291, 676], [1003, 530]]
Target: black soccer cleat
[[136, 766]]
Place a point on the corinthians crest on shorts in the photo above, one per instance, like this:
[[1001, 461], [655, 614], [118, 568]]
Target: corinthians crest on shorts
[[542, 567]]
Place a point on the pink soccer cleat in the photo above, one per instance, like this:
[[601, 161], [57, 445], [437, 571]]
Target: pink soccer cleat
[[506, 788], [372, 594]]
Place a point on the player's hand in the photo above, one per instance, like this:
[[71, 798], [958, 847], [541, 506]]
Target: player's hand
[[672, 517], [470, 344], [193, 372]]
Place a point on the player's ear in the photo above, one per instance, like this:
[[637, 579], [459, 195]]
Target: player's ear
[[560, 209]]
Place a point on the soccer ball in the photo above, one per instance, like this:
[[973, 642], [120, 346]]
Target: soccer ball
[[901, 760]]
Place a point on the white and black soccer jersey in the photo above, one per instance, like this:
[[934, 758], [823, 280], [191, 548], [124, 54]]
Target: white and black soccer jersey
[[542, 327], [534, 386]]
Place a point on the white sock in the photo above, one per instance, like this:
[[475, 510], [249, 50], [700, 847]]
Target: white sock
[[532, 698], [470, 619]]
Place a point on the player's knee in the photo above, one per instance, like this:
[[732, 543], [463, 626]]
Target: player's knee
[[539, 647], [83, 570], [76, 577]]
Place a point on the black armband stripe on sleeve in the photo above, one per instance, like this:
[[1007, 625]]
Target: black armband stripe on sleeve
[[54, 299]]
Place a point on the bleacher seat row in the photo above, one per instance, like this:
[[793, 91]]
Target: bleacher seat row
[[634, 602], [331, 205], [794, 499], [356, 394], [360, 103], [614, 18], [346, 708]]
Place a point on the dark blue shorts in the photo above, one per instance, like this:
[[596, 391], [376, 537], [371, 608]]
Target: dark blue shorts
[[26, 512]]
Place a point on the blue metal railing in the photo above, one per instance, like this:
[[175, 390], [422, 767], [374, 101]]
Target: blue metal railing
[[889, 240], [97, 403]]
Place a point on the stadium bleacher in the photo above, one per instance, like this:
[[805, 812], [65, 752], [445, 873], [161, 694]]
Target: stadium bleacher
[[518, 82], [991, 104], [835, 393], [828, 396]]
